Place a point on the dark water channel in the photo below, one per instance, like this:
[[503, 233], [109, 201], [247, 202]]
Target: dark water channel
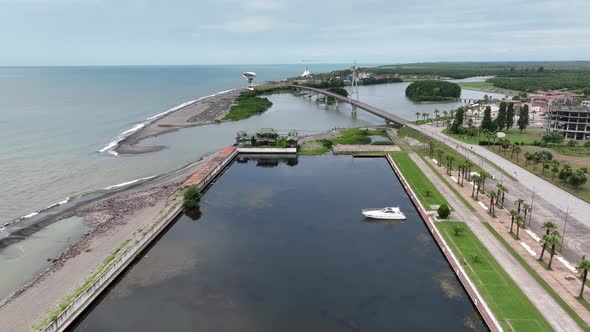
[[281, 245]]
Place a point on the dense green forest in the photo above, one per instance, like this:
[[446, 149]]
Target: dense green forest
[[519, 76], [432, 90], [531, 82], [469, 69]]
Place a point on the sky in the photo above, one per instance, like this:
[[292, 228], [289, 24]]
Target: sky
[[158, 32]]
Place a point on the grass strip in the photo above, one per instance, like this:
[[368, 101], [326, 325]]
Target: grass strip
[[469, 206], [422, 186], [540, 280], [510, 305]]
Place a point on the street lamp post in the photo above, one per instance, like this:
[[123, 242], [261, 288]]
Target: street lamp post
[[531, 209], [564, 225]]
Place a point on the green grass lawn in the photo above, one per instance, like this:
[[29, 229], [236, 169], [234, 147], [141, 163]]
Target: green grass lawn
[[583, 192], [508, 303], [514, 135], [424, 189], [357, 136], [488, 87]]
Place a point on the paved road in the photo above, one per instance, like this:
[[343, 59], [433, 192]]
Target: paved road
[[578, 208], [371, 109], [553, 313], [548, 203]]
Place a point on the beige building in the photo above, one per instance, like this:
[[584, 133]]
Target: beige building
[[573, 122]]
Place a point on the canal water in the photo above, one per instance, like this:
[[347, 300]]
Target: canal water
[[281, 245]]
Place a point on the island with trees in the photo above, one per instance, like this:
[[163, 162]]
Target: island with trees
[[431, 90]]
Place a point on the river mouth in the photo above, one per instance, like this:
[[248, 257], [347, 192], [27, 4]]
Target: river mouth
[[280, 245]]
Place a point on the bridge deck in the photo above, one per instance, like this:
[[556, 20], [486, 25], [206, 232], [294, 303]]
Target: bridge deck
[[371, 109]]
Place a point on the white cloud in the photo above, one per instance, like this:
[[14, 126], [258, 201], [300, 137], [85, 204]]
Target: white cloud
[[252, 24]]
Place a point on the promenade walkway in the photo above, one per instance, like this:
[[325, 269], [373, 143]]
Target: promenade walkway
[[553, 313], [549, 202]]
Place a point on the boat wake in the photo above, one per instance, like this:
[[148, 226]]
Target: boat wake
[[111, 146]]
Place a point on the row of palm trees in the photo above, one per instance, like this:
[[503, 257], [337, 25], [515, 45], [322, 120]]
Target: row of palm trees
[[436, 112], [550, 240]]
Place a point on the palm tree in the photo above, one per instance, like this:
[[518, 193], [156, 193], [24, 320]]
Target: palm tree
[[528, 157], [468, 166], [526, 209], [546, 240], [446, 114], [459, 173], [554, 168], [440, 153], [501, 190], [479, 179], [545, 160], [436, 111], [450, 159], [519, 224], [513, 213], [550, 227], [475, 179], [519, 202], [583, 267], [493, 196], [418, 116], [517, 150], [484, 175], [555, 239]]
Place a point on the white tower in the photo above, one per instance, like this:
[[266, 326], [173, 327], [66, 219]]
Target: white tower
[[354, 86], [249, 76]]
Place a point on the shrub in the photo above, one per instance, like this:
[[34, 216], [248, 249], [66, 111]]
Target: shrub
[[458, 230], [443, 211], [382, 143], [547, 153], [572, 143], [192, 196], [587, 144]]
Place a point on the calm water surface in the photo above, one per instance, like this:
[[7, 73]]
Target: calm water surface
[[280, 245]]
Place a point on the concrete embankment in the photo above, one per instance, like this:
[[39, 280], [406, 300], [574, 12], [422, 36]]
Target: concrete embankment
[[476, 298], [128, 252]]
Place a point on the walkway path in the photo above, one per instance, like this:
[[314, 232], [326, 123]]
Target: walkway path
[[549, 201], [553, 313]]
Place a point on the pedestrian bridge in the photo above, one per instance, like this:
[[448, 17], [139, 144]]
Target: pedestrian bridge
[[388, 117]]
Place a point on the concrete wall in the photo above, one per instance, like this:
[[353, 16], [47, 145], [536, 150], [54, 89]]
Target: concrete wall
[[476, 298], [128, 255]]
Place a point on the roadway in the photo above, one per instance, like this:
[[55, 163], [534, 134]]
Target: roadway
[[550, 202]]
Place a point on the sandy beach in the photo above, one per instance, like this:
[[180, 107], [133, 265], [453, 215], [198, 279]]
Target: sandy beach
[[113, 219], [200, 113]]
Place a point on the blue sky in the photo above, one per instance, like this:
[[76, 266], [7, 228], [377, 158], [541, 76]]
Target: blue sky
[[110, 32]]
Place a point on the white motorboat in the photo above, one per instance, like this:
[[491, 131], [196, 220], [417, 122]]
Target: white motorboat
[[384, 213]]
